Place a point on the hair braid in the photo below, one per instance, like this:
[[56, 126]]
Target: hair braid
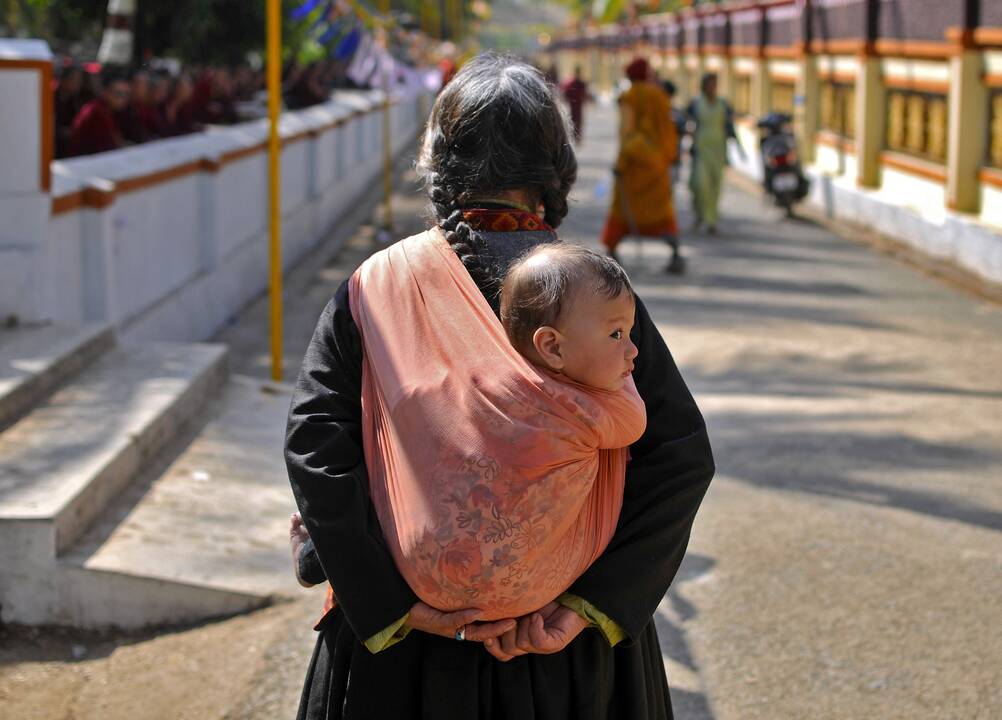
[[554, 196], [469, 247], [555, 206]]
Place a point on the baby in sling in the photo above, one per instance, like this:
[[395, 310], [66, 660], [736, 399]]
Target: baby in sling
[[496, 451]]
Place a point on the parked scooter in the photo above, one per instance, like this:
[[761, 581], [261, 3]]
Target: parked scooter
[[783, 176]]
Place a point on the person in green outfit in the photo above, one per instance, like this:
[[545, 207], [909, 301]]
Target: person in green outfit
[[712, 124]]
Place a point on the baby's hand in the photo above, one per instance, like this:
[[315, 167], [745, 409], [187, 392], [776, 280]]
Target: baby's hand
[[298, 535]]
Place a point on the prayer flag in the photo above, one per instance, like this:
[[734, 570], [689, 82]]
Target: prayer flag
[[305, 9]]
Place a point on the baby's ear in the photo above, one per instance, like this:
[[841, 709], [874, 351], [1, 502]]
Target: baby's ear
[[546, 340]]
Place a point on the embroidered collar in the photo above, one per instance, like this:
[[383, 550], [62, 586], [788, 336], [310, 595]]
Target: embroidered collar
[[504, 219]]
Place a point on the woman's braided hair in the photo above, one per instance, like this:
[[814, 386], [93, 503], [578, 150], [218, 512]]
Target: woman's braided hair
[[496, 126]]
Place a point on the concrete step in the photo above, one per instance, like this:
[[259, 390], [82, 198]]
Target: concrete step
[[62, 463], [207, 530], [36, 360]]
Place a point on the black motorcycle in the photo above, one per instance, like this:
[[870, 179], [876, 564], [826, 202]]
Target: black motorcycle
[[782, 175]]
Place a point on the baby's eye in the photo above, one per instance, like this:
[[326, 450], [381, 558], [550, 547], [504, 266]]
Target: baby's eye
[[617, 335]]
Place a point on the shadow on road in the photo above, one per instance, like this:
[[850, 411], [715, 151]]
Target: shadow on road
[[797, 374], [782, 454], [687, 702]]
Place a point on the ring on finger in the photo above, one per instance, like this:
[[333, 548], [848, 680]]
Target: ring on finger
[[461, 633]]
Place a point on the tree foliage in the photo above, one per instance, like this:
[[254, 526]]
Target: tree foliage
[[195, 31], [61, 23]]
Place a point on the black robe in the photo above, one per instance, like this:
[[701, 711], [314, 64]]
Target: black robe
[[434, 678]]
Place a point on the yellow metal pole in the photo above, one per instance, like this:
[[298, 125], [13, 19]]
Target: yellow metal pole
[[387, 140], [274, 73]]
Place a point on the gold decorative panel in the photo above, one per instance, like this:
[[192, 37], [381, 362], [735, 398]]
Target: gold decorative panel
[[781, 96], [936, 137], [837, 108], [917, 123], [695, 83], [742, 95], [995, 137]]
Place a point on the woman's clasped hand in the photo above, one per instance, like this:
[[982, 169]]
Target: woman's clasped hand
[[448, 624], [549, 630]]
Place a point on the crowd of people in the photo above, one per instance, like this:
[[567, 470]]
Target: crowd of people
[[114, 108], [98, 112]]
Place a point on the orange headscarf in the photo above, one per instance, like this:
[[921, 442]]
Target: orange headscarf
[[496, 484]]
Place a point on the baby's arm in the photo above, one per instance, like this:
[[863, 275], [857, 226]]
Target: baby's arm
[[305, 562]]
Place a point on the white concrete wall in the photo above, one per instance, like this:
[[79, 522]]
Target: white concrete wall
[[956, 238], [926, 198], [751, 162], [991, 205], [835, 162], [20, 120], [906, 207], [175, 259], [24, 201]]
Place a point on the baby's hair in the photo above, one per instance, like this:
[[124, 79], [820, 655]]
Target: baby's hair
[[535, 293]]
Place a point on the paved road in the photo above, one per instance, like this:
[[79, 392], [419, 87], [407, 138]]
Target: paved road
[[847, 561]]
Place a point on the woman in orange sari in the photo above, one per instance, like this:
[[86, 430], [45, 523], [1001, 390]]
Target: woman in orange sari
[[648, 145]]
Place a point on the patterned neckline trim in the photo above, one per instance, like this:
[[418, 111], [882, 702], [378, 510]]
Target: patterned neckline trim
[[504, 219]]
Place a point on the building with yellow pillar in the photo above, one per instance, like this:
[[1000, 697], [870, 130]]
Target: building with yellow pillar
[[897, 104]]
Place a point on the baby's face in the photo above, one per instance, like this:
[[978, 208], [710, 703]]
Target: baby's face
[[596, 347]]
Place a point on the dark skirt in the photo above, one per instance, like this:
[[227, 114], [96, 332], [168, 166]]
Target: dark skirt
[[428, 677]]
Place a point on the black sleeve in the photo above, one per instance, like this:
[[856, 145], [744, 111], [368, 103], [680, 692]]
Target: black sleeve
[[690, 110], [323, 454], [310, 570], [669, 471]]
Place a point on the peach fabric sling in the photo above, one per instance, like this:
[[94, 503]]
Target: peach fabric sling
[[496, 484]]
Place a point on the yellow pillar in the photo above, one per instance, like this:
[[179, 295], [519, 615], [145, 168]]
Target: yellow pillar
[[274, 80], [384, 7], [455, 15], [696, 69], [605, 69], [725, 79], [682, 78], [566, 60], [592, 66], [870, 120], [760, 100], [808, 92], [967, 131]]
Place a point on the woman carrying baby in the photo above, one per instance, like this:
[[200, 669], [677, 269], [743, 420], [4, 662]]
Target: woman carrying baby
[[465, 486]]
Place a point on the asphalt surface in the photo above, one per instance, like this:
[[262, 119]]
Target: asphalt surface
[[847, 561]]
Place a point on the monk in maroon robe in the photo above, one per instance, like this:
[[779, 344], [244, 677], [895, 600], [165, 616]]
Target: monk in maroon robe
[[576, 94], [68, 101], [94, 128]]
